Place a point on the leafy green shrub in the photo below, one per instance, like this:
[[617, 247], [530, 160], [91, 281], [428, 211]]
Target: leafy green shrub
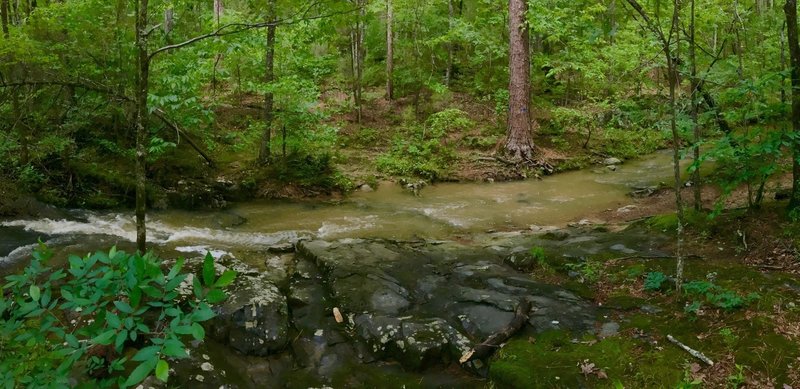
[[654, 281], [628, 144], [53, 321], [425, 151]]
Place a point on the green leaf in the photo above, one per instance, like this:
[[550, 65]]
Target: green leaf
[[123, 307], [162, 370], [198, 332], [215, 296], [104, 338], [141, 372], [174, 348], [35, 292], [225, 279], [146, 353], [208, 270]]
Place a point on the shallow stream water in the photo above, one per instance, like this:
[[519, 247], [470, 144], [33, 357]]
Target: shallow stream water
[[441, 211]]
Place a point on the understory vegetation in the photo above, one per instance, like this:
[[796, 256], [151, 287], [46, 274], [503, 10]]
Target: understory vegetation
[[109, 319]]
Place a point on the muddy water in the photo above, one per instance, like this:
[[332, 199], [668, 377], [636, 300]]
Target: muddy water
[[441, 211]]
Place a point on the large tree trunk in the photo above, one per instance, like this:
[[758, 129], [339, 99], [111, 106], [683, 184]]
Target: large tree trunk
[[790, 8], [142, 75], [698, 188], [519, 144], [389, 51], [264, 153]]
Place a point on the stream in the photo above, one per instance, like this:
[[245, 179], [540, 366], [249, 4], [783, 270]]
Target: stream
[[418, 278]]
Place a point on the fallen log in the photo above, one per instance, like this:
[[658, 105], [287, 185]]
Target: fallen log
[[492, 343]]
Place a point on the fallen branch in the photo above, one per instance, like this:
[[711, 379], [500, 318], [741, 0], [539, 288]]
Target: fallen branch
[[655, 257], [693, 352], [492, 343]]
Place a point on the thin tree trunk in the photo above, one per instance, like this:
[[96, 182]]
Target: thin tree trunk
[[519, 143], [450, 47], [264, 153], [4, 17], [218, 9], [790, 8], [676, 159], [142, 76], [698, 188], [389, 51], [783, 62]]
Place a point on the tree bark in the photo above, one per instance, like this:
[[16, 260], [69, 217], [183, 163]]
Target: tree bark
[[519, 143], [790, 8], [264, 153], [389, 51], [672, 64], [142, 76], [698, 188]]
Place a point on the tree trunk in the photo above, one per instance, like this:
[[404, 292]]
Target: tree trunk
[[783, 62], [389, 51], [790, 8], [142, 75], [672, 64], [698, 202], [218, 9], [264, 153], [519, 144], [357, 56], [450, 47], [4, 17]]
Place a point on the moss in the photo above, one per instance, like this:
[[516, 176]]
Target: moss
[[625, 302], [553, 361]]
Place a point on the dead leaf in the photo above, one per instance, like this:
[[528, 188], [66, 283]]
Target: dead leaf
[[338, 315], [695, 367], [587, 368], [602, 374]]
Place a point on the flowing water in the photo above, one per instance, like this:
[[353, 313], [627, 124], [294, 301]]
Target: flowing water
[[441, 211]]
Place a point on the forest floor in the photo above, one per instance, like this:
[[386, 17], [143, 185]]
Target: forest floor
[[740, 305]]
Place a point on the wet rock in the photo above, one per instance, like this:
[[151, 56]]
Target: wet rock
[[287, 247], [480, 321], [521, 259], [622, 248], [557, 235], [612, 161], [643, 191], [608, 329], [613, 168], [254, 320], [366, 188]]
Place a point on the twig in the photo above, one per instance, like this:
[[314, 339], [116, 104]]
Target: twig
[[693, 352]]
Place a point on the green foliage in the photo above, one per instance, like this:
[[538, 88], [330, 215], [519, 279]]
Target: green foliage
[[86, 317], [716, 296], [589, 270], [737, 379], [426, 150], [654, 281]]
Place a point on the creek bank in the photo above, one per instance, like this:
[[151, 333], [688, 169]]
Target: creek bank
[[417, 306]]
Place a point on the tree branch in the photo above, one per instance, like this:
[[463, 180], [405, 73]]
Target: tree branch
[[236, 28]]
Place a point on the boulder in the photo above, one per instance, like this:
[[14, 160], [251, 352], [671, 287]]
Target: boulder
[[612, 161]]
